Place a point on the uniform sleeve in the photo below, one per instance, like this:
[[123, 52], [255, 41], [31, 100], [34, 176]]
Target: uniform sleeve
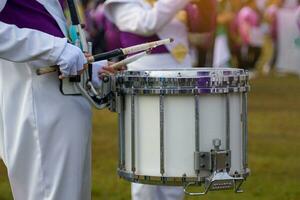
[[24, 45], [133, 17], [2, 4]]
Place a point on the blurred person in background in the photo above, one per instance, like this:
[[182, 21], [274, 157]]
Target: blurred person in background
[[288, 59], [109, 32], [291, 4], [201, 41], [94, 24], [201, 48], [252, 36], [297, 41], [234, 39], [227, 10], [270, 17], [146, 20], [141, 21]]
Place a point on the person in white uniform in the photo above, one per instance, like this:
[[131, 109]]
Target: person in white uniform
[[145, 21], [44, 135]]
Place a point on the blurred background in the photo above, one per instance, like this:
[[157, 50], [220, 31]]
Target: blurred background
[[262, 36]]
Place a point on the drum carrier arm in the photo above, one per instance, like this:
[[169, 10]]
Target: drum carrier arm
[[83, 82]]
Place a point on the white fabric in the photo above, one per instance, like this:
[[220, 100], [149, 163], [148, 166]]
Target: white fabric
[[97, 66], [44, 136], [51, 51], [288, 58], [140, 18], [158, 61], [261, 4], [221, 52], [290, 3], [151, 192], [256, 36], [2, 4], [15, 42], [136, 16], [71, 60]]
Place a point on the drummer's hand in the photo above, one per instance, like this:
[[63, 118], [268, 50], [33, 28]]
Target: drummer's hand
[[109, 70], [80, 69]]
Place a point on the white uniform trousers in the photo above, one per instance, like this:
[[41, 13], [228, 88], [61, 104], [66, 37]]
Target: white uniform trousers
[[44, 136], [153, 192]]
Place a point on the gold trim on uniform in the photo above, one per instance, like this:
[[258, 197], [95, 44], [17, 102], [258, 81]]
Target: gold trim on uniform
[[151, 2], [182, 16], [179, 52]]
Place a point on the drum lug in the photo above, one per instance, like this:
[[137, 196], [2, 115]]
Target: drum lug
[[215, 160]]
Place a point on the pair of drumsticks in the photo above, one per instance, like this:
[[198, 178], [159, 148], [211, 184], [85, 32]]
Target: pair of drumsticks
[[140, 51]]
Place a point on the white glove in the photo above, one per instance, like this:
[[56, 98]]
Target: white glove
[[97, 66], [71, 60]]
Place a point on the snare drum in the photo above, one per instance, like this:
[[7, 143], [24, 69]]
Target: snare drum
[[183, 127]]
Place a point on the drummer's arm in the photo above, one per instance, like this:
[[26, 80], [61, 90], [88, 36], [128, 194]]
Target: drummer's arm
[[25, 45], [132, 17]]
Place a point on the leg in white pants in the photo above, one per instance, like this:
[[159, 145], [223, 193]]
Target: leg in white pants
[[153, 192], [45, 136]]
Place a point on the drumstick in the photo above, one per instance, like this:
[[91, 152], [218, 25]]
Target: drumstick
[[130, 59], [145, 46], [115, 53], [131, 50], [54, 68], [126, 61]]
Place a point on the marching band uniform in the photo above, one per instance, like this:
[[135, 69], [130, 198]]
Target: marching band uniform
[[44, 136], [271, 16], [144, 21]]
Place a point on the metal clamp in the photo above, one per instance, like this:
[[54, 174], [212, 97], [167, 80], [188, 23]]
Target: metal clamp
[[215, 160], [218, 162], [217, 181], [98, 102]]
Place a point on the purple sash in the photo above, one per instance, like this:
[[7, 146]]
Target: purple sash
[[30, 14]]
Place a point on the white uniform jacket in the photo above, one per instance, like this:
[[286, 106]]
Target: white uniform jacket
[[139, 17], [44, 136]]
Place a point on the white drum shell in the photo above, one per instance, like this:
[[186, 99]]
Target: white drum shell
[[179, 132]]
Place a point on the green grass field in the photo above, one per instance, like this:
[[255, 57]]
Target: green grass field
[[274, 147]]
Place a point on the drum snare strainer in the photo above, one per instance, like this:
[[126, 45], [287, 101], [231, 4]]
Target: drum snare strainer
[[183, 127]]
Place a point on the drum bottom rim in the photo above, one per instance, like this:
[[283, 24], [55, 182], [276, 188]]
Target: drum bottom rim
[[168, 181]]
